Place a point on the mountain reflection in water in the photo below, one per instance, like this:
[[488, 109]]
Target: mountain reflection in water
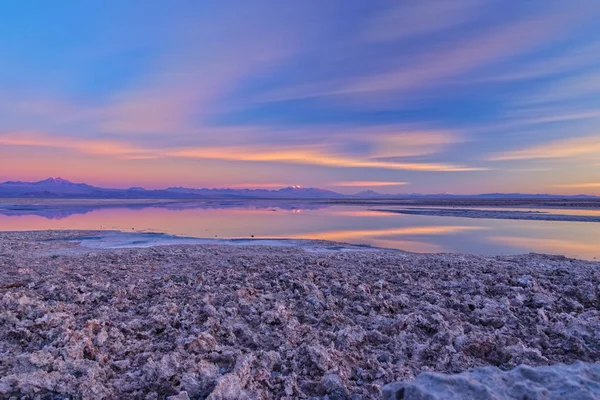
[[357, 224]]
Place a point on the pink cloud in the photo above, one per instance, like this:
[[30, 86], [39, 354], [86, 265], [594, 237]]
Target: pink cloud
[[369, 184]]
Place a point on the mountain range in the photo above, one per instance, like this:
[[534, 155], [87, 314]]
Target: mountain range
[[62, 188]]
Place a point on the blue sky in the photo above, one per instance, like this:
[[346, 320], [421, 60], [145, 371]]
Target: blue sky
[[461, 96]]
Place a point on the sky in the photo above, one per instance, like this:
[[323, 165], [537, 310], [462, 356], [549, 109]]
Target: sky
[[428, 96]]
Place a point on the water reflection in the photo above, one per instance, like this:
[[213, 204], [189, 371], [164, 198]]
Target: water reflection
[[61, 209], [544, 245], [389, 233], [306, 220]]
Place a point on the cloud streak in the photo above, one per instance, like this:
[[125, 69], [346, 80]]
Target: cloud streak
[[114, 148], [406, 20], [311, 154], [587, 185], [500, 42], [565, 148], [579, 86], [450, 57], [371, 95], [369, 184]]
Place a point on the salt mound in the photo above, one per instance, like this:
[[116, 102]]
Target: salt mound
[[578, 381]]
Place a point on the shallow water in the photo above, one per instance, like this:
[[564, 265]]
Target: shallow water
[[305, 220]]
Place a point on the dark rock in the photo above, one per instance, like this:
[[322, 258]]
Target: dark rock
[[333, 387]]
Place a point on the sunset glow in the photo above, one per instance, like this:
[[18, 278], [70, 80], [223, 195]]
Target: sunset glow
[[469, 97]]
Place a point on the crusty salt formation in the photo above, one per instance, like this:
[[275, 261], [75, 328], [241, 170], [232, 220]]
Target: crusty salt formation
[[234, 322]]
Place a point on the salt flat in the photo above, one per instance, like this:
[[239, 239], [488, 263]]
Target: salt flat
[[223, 321]]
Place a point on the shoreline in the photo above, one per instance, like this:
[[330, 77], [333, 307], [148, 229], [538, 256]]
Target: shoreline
[[276, 322]]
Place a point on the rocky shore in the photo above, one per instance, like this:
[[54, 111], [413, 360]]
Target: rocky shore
[[253, 322]]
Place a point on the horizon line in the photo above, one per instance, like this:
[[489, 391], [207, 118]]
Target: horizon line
[[282, 187]]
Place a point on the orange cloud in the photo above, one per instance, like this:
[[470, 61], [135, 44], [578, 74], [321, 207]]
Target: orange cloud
[[567, 148], [312, 155], [385, 145], [398, 141], [587, 185], [86, 146]]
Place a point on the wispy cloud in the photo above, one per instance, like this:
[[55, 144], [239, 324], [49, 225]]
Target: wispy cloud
[[573, 60], [566, 148], [86, 146], [409, 19], [461, 57], [558, 116], [308, 154], [188, 86], [586, 185], [431, 66], [311, 155], [572, 88], [369, 184], [405, 90], [397, 142]]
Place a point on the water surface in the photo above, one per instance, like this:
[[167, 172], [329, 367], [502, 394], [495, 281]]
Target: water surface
[[306, 220]]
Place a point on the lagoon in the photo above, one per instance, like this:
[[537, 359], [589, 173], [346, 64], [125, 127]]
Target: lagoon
[[295, 219]]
